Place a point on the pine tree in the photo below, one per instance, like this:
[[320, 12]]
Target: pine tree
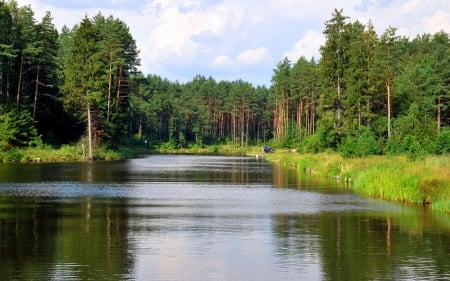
[[281, 91], [385, 66]]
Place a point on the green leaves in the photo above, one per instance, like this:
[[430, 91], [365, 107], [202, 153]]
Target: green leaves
[[99, 58], [16, 128]]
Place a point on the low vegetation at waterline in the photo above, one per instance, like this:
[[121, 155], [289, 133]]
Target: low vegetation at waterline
[[66, 153], [394, 178]]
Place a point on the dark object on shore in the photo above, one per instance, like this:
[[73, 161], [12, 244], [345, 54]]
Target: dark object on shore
[[268, 149]]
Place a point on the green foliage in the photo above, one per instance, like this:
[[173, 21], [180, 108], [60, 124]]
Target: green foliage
[[442, 145], [368, 94], [366, 144], [313, 144], [17, 129]]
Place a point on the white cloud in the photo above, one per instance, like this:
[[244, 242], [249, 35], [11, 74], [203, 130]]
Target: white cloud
[[182, 38], [440, 20], [171, 34], [259, 55], [410, 17], [222, 61], [247, 58], [308, 46]]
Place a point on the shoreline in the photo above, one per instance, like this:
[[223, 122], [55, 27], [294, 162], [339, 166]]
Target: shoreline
[[390, 178]]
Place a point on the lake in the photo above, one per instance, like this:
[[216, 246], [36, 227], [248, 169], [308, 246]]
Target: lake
[[183, 217]]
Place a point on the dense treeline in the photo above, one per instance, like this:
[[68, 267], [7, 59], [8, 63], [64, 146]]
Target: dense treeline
[[201, 111], [53, 85], [368, 94]]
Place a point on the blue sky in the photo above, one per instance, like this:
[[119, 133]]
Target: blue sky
[[239, 39]]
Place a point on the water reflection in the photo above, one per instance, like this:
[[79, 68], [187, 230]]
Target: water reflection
[[206, 218], [82, 239], [371, 246]]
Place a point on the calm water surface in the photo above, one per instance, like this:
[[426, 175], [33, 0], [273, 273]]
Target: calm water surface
[[167, 217]]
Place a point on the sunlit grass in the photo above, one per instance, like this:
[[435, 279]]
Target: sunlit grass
[[66, 153], [390, 181], [393, 178]]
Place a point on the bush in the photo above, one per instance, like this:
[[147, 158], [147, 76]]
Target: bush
[[313, 144], [365, 145], [442, 144], [17, 129], [348, 149], [415, 151]]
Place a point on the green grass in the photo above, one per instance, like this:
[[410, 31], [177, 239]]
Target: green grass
[[227, 149], [65, 153], [393, 178], [391, 182]]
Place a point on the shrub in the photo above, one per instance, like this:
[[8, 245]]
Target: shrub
[[415, 151], [365, 145], [442, 144], [313, 144], [17, 129], [348, 149]]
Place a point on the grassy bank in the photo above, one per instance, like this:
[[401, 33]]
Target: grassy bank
[[393, 178], [63, 154], [226, 149]]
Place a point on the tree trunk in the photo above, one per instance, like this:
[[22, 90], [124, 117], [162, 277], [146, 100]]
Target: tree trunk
[[388, 88], [339, 98], [140, 127], [439, 115], [359, 117], [19, 84], [108, 103], [119, 84], [36, 91], [299, 119], [89, 130]]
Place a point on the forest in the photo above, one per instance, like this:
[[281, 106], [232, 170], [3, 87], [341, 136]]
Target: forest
[[367, 94]]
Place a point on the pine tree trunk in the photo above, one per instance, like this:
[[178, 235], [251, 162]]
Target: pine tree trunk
[[36, 91], [19, 84], [439, 115], [89, 131], [299, 119], [108, 103], [388, 88]]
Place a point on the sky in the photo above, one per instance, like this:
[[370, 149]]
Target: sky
[[239, 39]]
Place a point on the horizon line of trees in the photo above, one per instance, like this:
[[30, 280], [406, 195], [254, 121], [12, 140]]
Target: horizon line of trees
[[367, 94]]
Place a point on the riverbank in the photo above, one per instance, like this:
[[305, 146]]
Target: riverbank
[[66, 153], [393, 178]]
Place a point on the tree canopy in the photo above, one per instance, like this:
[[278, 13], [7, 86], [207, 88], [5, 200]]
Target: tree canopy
[[367, 94]]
